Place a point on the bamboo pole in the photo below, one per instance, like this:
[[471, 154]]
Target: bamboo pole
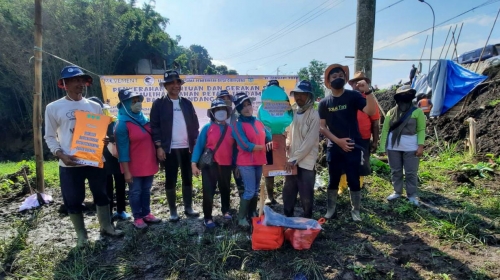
[[37, 99], [455, 53], [446, 40], [451, 41]]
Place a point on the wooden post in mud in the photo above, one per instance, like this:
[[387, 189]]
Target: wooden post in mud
[[472, 136], [365, 33], [37, 98], [262, 197]]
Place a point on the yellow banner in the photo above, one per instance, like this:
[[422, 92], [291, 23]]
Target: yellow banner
[[200, 89], [87, 146]]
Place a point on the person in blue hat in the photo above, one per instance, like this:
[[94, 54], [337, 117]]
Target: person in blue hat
[[228, 99], [137, 155], [216, 136], [59, 126], [115, 181], [302, 140], [175, 125], [253, 140]]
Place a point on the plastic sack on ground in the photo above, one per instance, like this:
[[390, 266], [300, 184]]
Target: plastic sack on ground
[[266, 237], [32, 201], [302, 239], [272, 218]]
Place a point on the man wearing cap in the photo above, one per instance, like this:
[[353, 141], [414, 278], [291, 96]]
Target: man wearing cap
[[368, 126], [303, 139], [338, 122], [174, 126], [270, 200], [59, 127], [228, 99]]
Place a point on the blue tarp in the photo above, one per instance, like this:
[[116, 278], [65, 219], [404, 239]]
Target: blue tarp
[[450, 83]]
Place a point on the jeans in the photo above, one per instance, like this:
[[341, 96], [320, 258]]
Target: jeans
[[72, 182], [302, 183], [409, 162], [139, 196], [251, 180], [212, 177], [118, 186], [178, 158], [349, 162]]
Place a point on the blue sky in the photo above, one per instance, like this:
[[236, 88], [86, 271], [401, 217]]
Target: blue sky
[[229, 28]]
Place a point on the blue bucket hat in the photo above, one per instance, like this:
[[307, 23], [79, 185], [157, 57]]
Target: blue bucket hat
[[272, 83], [125, 94], [239, 98], [72, 71], [170, 76], [302, 86], [223, 93]]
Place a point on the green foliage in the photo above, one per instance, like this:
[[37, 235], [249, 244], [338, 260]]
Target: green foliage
[[314, 73], [482, 169], [494, 102]]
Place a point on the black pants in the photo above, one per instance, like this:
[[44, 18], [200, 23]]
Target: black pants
[[302, 183], [178, 158], [213, 177], [348, 162], [119, 186], [72, 182]]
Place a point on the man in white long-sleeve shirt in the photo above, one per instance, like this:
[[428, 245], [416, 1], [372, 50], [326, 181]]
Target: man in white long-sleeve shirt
[[303, 141], [59, 126]]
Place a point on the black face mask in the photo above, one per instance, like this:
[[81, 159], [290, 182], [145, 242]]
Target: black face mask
[[405, 98], [337, 83]]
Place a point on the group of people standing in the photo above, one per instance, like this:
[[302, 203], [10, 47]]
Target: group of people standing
[[233, 143]]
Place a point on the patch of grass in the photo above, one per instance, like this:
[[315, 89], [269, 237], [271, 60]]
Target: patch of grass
[[307, 267], [460, 227], [366, 271], [494, 102]]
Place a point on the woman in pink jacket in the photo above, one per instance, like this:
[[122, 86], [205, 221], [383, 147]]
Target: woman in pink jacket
[[251, 137]]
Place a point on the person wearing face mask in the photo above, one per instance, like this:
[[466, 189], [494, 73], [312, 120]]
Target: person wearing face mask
[[303, 139], [339, 123], [217, 137], [175, 125], [115, 181], [228, 99], [59, 125], [403, 136], [252, 139], [137, 155]]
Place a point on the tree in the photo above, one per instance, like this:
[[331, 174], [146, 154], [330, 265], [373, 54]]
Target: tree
[[314, 73]]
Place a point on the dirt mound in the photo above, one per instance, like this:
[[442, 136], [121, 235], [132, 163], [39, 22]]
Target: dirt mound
[[483, 106], [386, 99]]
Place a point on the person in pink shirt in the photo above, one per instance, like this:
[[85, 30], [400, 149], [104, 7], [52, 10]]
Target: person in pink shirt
[[137, 155], [216, 136]]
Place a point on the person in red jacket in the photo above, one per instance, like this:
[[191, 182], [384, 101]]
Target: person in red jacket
[[216, 136], [252, 139]]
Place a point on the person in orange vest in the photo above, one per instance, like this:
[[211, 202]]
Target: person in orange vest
[[425, 104]]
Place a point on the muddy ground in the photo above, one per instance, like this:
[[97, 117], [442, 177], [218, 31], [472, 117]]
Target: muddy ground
[[392, 242]]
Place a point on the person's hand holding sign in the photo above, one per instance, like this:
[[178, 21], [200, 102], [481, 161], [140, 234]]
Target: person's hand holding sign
[[289, 166], [66, 159], [269, 146]]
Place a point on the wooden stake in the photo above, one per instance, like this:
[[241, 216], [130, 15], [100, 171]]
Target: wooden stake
[[262, 197], [472, 136], [37, 99]]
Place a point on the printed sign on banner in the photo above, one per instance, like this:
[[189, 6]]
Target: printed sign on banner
[[87, 145], [200, 89]]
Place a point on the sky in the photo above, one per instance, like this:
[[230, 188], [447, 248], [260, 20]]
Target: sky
[[258, 37]]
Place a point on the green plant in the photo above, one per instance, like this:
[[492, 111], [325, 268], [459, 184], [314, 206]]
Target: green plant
[[482, 169], [364, 271], [494, 102], [308, 266]]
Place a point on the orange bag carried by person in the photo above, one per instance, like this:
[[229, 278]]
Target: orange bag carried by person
[[302, 239], [266, 237]]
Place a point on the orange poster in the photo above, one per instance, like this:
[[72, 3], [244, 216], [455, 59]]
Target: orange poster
[[87, 145]]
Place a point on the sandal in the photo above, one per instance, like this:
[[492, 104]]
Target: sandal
[[209, 224], [228, 216]]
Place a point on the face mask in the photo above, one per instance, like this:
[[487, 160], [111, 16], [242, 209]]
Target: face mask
[[405, 98], [136, 108], [337, 83], [220, 115], [247, 111]]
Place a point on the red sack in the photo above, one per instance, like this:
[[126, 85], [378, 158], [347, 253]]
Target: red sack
[[302, 239], [266, 237]]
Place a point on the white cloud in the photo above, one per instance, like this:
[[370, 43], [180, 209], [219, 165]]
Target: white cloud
[[389, 40], [220, 62]]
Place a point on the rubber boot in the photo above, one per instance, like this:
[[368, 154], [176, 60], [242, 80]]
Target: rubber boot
[[104, 218], [81, 232], [171, 199], [331, 203], [356, 203], [187, 197], [243, 212], [270, 191], [252, 208]]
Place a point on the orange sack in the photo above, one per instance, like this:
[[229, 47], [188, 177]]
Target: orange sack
[[302, 239], [266, 237]]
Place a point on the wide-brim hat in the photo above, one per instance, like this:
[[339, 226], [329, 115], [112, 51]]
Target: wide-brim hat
[[223, 93], [302, 86], [218, 103], [73, 71], [330, 68], [126, 94], [170, 76], [358, 76], [406, 89], [239, 98]]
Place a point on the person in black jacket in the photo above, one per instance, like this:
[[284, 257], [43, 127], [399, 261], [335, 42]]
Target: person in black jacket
[[174, 126]]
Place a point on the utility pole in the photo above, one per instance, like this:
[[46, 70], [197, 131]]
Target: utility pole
[[365, 33], [37, 99]]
